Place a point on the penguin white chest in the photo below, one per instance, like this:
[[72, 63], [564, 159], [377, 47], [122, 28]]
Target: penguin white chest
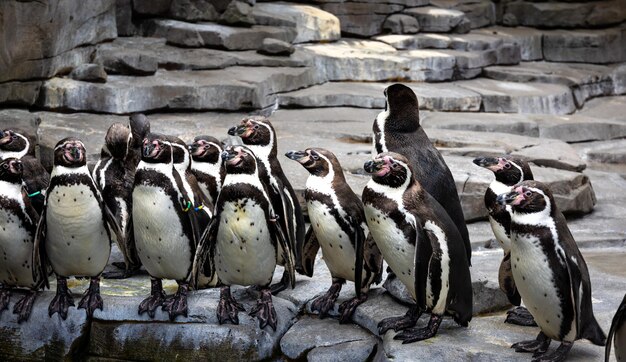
[[534, 279], [397, 252], [16, 248], [162, 245], [500, 233], [244, 254], [77, 243], [337, 250]]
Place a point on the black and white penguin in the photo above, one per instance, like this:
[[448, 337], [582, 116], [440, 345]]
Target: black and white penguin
[[165, 234], [244, 238], [74, 231], [114, 174], [338, 226], [21, 145], [206, 165], [550, 273], [258, 134], [420, 243], [508, 172], [18, 222], [140, 127], [397, 129], [617, 334]]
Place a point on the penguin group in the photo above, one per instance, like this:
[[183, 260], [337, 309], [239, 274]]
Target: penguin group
[[213, 214]]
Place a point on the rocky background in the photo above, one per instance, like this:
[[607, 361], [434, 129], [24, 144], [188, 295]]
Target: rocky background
[[540, 80]]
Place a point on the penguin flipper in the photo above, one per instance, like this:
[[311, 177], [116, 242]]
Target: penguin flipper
[[288, 257], [359, 241], [204, 254], [618, 320], [309, 253], [422, 261], [373, 260], [506, 281], [41, 265]]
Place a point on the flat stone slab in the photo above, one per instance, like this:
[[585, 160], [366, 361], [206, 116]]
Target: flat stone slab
[[585, 46], [528, 39], [469, 41], [511, 97], [590, 14], [606, 108], [437, 20], [604, 151]]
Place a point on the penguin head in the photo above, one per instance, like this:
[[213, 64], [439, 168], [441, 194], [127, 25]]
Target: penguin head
[[118, 140], [239, 160], [509, 171], [254, 131], [139, 127], [180, 152], [156, 149], [390, 169], [206, 149], [11, 170], [529, 197], [70, 152], [318, 161], [17, 141], [403, 108]]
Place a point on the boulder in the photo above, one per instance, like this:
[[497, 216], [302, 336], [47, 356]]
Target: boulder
[[193, 10], [480, 13], [237, 13], [401, 24], [437, 20], [361, 19], [528, 39], [585, 45], [276, 47], [89, 73], [590, 14], [311, 24], [19, 93], [53, 31]]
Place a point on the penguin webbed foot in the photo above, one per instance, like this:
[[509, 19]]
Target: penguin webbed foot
[[399, 323], [281, 285], [327, 301], [560, 354], [24, 306], [91, 300], [177, 304], [62, 301], [520, 316], [156, 298], [5, 296], [536, 346], [419, 334], [264, 310], [347, 308], [228, 308]]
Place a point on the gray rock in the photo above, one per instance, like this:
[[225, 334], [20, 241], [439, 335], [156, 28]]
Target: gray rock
[[213, 35], [585, 46], [470, 41], [238, 13], [361, 19], [305, 336], [193, 10], [19, 118], [311, 24], [605, 151], [437, 20], [124, 18], [566, 15], [89, 73], [528, 39], [618, 75], [151, 7], [606, 108], [276, 47], [509, 97], [52, 33], [347, 351], [19, 93], [480, 13], [401, 24]]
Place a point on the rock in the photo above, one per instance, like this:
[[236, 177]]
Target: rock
[[437, 20], [512, 97], [124, 18], [19, 93], [566, 15], [618, 76], [193, 10], [151, 7], [361, 19], [480, 13], [469, 42], [276, 47], [311, 24], [89, 73], [605, 151], [528, 39], [213, 35], [347, 351], [401, 24], [238, 13], [585, 46], [246, 88], [606, 108], [52, 31], [305, 336]]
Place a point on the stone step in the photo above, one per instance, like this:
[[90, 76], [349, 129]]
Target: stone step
[[470, 41], [604, 151], [606, 108], [528, 39], [559, 15], [585, 46], [365, 18], [432, 19], [480, 13]]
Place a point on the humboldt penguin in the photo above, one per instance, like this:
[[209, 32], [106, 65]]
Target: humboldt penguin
[[114, 174], [20, 144], [420, 243], [140, 127], [74, 230], [338, 226], [258, 134], [244, 238], [397, 129], [617, 334], [550, 273], [207, 166], [508, 172], [18, 222]]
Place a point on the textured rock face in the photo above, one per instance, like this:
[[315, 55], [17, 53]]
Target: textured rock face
[[52, 30], [585, 46], [589, 14], [276, 47], [361, 19], [89, 73], [193, 10], [437, 20], [401, 24], [311, 24]]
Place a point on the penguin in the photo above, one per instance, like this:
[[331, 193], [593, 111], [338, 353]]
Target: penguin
[[114, 174], [139, 127], [20, 144], [258, 134], [338, 224], [550, 273], [244, 238], [508, 172], [206, 165], [164, 228], [18, 221], [397, 129], [421, 244], [74, 231], [617, 334]]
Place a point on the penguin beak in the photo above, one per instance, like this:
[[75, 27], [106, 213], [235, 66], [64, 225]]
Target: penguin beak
[[16, 167], [76, 153], [296, 156], [510, 198], [489, 163], [5, 137], [373, 166], [232, 131]]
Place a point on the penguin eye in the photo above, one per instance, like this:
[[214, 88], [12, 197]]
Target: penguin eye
[[14, 137], [528, 194], [507, 165], [256, 126], [395, 165], [315, 156], [5, 166]]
